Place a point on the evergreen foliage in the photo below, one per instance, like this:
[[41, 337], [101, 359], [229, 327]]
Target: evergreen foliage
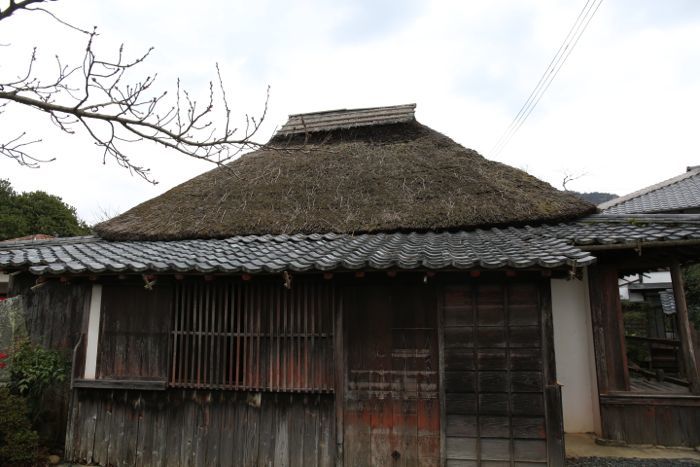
[[36, 212]]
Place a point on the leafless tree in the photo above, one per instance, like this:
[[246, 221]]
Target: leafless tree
[[106, 100], [569, 177]]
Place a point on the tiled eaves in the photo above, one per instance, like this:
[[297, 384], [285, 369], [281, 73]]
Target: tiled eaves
[[606, 230], [548, 246], [487, 249]]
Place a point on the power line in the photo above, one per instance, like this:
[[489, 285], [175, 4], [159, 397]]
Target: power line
[[540, 83], [575, 32], [570, 49]]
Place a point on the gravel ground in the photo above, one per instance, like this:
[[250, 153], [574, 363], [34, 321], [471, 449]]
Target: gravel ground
[[610, 462]]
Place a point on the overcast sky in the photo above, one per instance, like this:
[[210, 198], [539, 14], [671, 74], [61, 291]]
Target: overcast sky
[[623, 110]]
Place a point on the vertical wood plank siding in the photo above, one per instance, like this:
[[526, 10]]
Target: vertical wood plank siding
[[664, 420], [255, 336], [134, 332], [608, 329], [256, 376], [54, 315], [205, 428]]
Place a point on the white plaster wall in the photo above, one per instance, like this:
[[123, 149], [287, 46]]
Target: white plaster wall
[[93, 332], [649, 277], [575, 360], [624, 292], [657, 276]]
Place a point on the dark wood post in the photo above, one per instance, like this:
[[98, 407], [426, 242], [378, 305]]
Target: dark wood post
[[608, 329], [691, 367], [441, 374], [556, 450], [340, 377]]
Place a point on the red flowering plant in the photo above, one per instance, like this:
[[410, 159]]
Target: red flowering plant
[[3, 356]]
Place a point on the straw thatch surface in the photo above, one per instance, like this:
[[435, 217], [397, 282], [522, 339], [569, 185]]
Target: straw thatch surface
[[398, 177]]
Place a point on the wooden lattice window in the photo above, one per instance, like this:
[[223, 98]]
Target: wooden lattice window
[[261, 336]]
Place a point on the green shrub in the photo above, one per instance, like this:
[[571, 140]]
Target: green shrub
[[19, 444], [38, 374]]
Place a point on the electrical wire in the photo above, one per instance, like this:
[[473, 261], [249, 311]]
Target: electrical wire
[[575, 32]]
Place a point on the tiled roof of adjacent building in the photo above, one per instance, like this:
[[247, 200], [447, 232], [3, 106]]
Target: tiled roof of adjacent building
[[673, 195], [632, 229], [34, 237], [547, 246], [347, 118]]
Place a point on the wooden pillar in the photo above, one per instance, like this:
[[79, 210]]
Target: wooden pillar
[[441, 374], [556, 449], [608, 329], [691, 367], [340, 356]]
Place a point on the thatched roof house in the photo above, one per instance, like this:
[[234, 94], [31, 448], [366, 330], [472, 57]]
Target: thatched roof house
[[363, 291], [349, 171]]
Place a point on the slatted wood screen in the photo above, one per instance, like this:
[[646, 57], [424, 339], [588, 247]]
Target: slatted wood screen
[[253, 336]]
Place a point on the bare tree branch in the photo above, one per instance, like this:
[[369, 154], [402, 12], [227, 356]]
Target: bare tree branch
[[15, 6], [568, 178], [101, 98]]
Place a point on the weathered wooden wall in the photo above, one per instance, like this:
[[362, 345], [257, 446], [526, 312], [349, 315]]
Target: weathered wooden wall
[[54, 313], [362, 366], [207, 428], [134, 331], [608, 328], [661, 420]]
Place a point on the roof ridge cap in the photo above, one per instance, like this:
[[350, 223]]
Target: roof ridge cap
[[330, 120], [359, 109], [662, 218], [9, 244]]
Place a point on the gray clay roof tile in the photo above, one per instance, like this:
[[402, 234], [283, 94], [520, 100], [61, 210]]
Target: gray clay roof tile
[[678, 194], [547, 246]]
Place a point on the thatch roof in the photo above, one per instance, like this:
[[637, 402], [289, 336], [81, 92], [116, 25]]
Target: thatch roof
[[391, 174]]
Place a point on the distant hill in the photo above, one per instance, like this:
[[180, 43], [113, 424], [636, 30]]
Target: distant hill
[[594, 197]]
